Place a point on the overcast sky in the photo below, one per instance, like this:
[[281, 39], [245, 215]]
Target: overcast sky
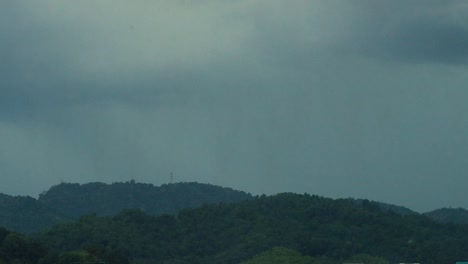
[[350, 98]]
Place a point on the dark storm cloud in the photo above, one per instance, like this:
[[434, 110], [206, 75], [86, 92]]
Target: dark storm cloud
[[413, 31], [432, 42], [264, 96]]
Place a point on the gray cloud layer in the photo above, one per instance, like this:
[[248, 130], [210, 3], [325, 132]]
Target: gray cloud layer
[[415, 32], [339, 98]]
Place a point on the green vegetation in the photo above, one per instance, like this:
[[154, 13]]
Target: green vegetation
[[69, 201], [365, 258], [14, 248], [317, 228], [387, 207], [17, 249], [449, 215], [25, 214], [234, 228], [73, 200], [281, 255]]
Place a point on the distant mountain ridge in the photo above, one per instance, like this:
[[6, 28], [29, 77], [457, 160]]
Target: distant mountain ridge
[[386, 207], [69, 201], [282, 228], [449, 215], [74, 200]]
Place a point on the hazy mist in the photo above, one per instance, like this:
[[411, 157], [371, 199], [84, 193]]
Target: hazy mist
[[363, 99]]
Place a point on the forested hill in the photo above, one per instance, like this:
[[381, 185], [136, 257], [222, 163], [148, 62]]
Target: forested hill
[[449, 215], [303, 228], [73, 200], [387, 207], [26, 214], [69, 201]]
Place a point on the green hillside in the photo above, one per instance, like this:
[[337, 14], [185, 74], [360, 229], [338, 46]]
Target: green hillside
[[18, 249], [73, 200], [25, 214], [69, 201], [331, 231], [449, 215]]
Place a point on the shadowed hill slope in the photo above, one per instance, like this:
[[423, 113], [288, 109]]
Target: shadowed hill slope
[[25, 214], [73, 200], [449, 215], [69, 201], [386, 207], [327, 230]]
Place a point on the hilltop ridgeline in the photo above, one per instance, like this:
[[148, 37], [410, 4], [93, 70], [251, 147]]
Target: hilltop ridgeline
[[449, 215], [69, 201], [73, 200], [200, 223]]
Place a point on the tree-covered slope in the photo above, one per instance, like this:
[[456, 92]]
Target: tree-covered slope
[[330, 230], [14, 248], [280, 255], [388, 207], [73, 200], [69, 201], [449, 215], [25, 214], [18, 249]]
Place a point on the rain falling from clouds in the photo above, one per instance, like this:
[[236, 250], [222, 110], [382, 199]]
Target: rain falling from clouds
[[363, 99]]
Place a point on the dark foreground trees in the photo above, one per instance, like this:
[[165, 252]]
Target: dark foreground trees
[[17, 249]]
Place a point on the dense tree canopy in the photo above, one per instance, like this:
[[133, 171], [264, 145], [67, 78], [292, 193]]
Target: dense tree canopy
[[332, 231], [280, 255], [69, 201], [449, 215], [286, 228]]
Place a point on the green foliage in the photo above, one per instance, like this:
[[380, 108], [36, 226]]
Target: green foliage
[[449, 215], [25, 214], [324, 229], [14, 248], [384, 206], [365, 258], [74, 200], [71, 257], [286, 228], [280, 255], [70, 201]]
